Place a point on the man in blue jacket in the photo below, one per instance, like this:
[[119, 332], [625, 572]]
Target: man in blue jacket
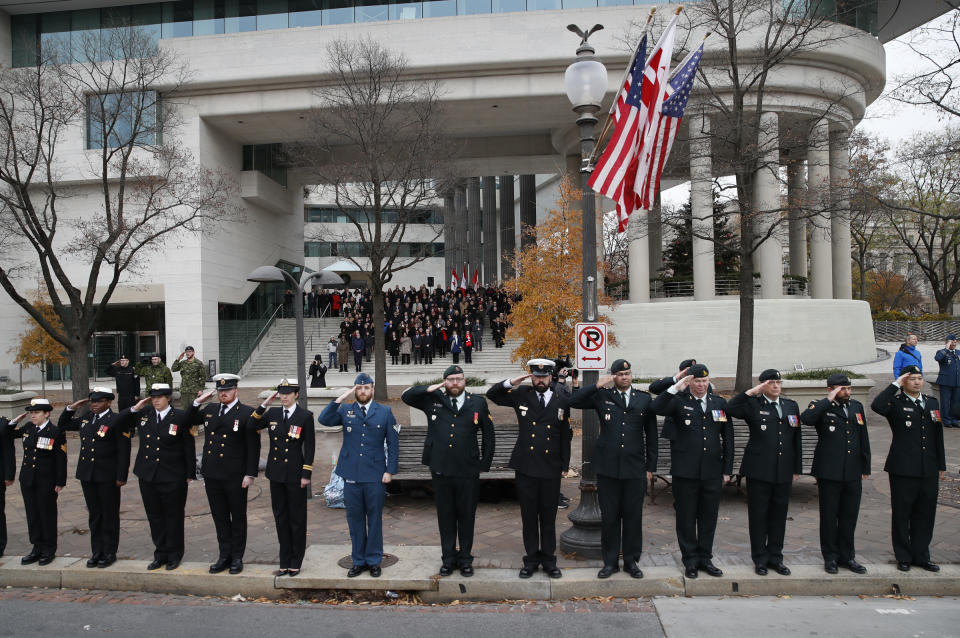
[[907, 355], [366, 467], [949, 381]]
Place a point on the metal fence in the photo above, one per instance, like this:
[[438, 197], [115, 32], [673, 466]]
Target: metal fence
[[925, 330]]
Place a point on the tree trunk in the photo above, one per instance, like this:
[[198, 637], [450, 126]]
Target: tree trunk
[[745, 347], [79, 368], [379, 348]]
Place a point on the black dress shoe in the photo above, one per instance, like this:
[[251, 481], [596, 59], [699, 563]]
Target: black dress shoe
[[236, 566], [830, 567], [930, 567], [690, 572], [711, 569], [608, 571], [46, 560], [853, 566], [375, 571], [156, 564], [106, 561], [634, 570], [356, 570], [221, 565], [446, 570], [553, 572], [903, 565], [93, 561], [172, 565], [761, 570], [780, 568], [30, 558], [527, 571], [466, 571], [292, 572]]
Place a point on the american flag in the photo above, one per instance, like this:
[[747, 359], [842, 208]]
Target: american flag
[[617, 164], [675, 99]]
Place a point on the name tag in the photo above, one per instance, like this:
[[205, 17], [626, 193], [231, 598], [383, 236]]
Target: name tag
[[44, 443], [719, 415], [687, 407]]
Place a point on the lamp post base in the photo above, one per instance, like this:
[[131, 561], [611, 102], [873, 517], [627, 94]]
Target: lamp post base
[[583, 539]]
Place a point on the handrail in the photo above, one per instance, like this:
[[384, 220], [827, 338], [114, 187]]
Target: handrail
[[259, 337]]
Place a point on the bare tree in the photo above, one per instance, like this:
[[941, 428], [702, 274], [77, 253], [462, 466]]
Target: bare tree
[[871, 180], [936, 83], [615, 253], [377, 148], [141, 187]]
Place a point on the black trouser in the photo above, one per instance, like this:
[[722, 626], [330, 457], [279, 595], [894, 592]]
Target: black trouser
[[228, 505], [417, 356], [103, 508], [3, 516], [164, 504], [538, 512], [456, 357], [913, 503], [621, 518], [428, 356], [289, 502], [405, 359], [441, 349], [767, 505], [697, 503], [40, 506], [456, 498], [393, 358], [124, 401], [357, 360], [839, 509], [468, 355]]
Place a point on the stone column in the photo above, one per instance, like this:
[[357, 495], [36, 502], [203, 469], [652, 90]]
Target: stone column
[[460, 217], [638, 256], [840, 219], [490, 243], [701, 205], [797, 238], [528, 209], [655, 237], [766, 195], [818, 201], [508, 225], [474, 245], [449, 237]]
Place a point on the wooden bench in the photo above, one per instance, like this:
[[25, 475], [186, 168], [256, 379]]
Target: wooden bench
[[409, 467]]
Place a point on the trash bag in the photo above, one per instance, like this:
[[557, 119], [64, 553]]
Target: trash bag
[[333, 492]]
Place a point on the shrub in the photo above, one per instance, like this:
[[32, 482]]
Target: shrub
[[471, 381], [816, 375]]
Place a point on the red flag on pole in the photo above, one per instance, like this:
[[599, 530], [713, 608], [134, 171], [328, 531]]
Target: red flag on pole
[[476, 278], [463, 279], [453, 280]]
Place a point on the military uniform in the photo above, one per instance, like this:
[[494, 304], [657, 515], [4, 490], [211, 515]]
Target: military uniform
[[103, 465], [541, 454], [292, 445], [128, 385], [8, 466], [362, 463], [166, 461], [770, 460], [701, 453], [231, 451], [455, 459], [152, 374], [44, 468], [193, 379], [841, 458], [948, 380], [914, 463], [625, 451]]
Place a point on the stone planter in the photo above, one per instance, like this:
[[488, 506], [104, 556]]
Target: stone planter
[[13, 404]]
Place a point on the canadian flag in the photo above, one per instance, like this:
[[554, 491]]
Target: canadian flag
[[476, 278], [453, 279], [463, 280]]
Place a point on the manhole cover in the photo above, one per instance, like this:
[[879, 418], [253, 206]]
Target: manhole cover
[[950, 490], [347, 561]]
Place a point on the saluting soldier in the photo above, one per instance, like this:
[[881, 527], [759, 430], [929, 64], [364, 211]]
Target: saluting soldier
[[454, 417], [624, 459], [193, 376], [43, 474], [154, 372], [102, 469], [701, 461], [8, 466], [289, 468], [166, 463], [366, 465], [540, 457], [915, 464], [229, 465], [771, 462], [840, 462], [128, 383]]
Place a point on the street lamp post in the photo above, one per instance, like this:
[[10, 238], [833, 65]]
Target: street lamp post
[[585, 82]]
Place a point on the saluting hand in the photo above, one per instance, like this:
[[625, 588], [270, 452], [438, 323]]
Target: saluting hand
[[77, 404], [605, 380], [205, 396], [343, 397], [139, 405], [15, 420], [832, 395], [270, 399], [903, 377], [518, 380], [682, 373], [684, 382], [757, 389], [435, 387]]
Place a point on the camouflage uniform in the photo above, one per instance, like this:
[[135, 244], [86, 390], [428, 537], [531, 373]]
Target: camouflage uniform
[[154, 374], [193, 376]]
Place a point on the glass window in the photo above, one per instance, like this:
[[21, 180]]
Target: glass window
[[540, 5], [472, 7], [85, 35], [439, 8], [177, 19], [509, 6], [240, 16], [272, 14], [578, 4], [55, 34], [371, 11], [406, 11], [208, 17], [306, 13], [614, 3], [23, 33], [337, 11], [118, 119]]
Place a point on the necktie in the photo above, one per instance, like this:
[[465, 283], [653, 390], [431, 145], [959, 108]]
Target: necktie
[[223, 409], [363, 411], [159, 418], [286, 415], [846, 411], [703, 404], [542, 403], [96, 418], [776, 404]]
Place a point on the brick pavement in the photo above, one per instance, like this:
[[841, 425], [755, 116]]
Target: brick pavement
[[410, 519]]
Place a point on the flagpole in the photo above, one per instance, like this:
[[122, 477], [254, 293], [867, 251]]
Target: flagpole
[[683, 62]]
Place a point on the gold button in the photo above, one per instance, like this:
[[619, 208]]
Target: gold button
[[531, 447], [451, 445], [546, 451], [548, 427], [533, 436], [451, 435]]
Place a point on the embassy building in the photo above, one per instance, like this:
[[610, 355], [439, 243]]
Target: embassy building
[[254, 65]]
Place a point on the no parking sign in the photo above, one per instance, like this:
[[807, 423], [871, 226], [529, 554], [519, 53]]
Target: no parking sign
[[591, 341]]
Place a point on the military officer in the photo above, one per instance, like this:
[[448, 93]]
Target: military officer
[[229, 465], [43, 474], [193, 376], [840, 462], [701, 461], [662, 385], [541, 457], [8, 466], [154, 372], [948, 380], [101, 469], [624, 459], [772, 460], [166, 463], [365, 467], [915, 464], [454, 417], [128, 383], [289, 468]]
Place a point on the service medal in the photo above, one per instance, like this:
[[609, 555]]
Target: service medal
[[763, 427], [236, 425], [102, 431], [173, 429], [935, 415], [833, 428], [793, 420], [476, 418], [859, 419], [607, 416]]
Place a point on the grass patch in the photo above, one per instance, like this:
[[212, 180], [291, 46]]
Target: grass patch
[[817, 375], [470, 381]]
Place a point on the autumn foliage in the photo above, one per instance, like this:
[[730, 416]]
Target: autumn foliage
[[548, 282], [37, 347]]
